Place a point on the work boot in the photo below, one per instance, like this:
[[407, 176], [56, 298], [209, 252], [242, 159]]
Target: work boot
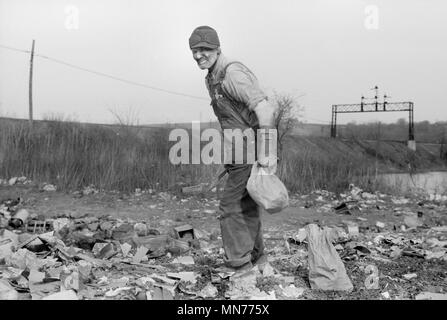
[[237, 270], [261, 262]]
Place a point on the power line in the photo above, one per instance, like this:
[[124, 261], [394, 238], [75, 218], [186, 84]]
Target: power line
[[124, 80], [120, 79], [107, 75], [14, 49]]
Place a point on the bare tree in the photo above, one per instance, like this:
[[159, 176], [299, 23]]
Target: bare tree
[[126, 122], [288, 115], [130, 118]]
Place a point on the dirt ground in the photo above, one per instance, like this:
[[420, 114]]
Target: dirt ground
[[163, 211]]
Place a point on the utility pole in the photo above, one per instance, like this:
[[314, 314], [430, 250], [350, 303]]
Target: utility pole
[[377, 148], [31, 85]]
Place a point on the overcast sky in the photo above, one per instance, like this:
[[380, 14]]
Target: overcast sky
[[325, 51]]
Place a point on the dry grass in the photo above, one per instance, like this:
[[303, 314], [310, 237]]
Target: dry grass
[[319, 163], [73, 155]]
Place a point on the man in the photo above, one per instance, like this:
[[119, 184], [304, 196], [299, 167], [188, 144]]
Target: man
[[239, 103]]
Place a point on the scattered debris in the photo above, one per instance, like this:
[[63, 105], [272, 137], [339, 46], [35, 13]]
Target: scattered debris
[[49, 188], [188, 260], [353, 230], [267, 270], [301, 235], [141, 229], [292, 292], [439, 229], [141, 252], [380, 225], [410, 276], [342, 209], [431, 296], [243, 286], [209, 291], [89, 190], [125, 249], [197, 189], [63, 295], [87, 257], [7, 292], [19, 219], [386, 295], [184, 276], [184, 232], [326, 270]]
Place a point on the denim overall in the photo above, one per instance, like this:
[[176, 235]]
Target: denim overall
[[240, 220]]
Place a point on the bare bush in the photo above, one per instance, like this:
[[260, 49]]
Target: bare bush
[[287, 117]]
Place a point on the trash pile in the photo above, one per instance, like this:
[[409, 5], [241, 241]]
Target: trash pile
[[321, 200], [14, 181], [89, 257], [358, 200], [105, 257], [383, 246], [331, 248]]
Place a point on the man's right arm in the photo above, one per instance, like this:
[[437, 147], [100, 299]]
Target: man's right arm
[[267, 135], [242, 84]]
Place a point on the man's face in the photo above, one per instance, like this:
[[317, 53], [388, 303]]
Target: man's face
[[205, 57]]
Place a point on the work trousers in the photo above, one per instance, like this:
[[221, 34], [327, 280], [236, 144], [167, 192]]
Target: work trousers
[[240, 220]]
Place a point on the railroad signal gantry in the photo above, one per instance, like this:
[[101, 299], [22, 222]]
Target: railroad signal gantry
[[373, 107], [376, 107]]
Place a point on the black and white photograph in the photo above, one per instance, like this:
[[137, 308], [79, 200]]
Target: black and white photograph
[[223, 158]]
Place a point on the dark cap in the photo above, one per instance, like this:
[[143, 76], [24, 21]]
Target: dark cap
[[204, 36]]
